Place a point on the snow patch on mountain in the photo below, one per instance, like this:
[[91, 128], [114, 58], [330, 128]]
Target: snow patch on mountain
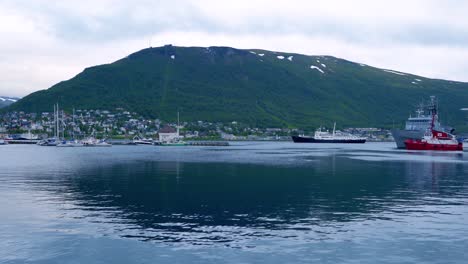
[[280, 57], [317, 68], [290, 58], [4, 99], [394, 72]]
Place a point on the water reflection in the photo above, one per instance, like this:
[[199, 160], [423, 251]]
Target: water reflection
[[315, 194], [442, 179], [224, 203]]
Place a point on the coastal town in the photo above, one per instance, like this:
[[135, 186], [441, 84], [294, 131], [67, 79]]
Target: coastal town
[[120, 124]]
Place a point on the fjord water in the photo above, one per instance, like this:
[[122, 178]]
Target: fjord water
[[248, 203]]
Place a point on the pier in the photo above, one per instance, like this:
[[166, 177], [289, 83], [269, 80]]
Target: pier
[[208, 143], [22, 141]]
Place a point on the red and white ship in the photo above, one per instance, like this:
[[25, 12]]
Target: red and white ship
[[434, 139]]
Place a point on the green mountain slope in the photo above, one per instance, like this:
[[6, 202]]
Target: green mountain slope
[[258, 87]]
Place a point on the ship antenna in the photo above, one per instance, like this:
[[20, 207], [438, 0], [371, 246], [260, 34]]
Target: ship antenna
[[55, 122], [177, 124]]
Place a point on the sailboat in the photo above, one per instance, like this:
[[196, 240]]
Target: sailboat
[[93, 142], [72, 142], [52, 142]]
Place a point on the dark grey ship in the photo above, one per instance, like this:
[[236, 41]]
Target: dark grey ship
[[416, 125]]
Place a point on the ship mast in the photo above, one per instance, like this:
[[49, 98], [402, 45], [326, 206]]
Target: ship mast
[[433, 109], [58, 122], [177, 124], [73, 128], [55, 122]]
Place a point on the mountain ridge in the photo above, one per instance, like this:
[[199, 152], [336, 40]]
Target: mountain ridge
[[7, 100], [254, 86]]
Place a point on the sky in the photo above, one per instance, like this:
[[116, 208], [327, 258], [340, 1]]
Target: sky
[[45, 42]]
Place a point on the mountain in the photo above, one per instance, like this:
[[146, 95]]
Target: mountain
[[258, 87], [6, 101]]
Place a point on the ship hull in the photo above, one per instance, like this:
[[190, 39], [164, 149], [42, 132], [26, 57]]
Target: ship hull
[[299, 139], [419, 145], [401, 136]]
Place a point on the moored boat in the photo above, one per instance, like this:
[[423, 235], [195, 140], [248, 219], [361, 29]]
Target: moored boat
[[48, 142], [93, 142], [70, 143], [142, 141], [321, 136]]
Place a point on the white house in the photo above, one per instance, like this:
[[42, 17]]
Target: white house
[[168, 134]]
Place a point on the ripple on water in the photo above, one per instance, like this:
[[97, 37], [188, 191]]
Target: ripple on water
[[272, 202]]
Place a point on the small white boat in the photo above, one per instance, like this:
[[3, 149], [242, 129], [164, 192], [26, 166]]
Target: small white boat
[[70, 143], [3, 142], [142, 141], [92, 142], [49, 142], [102, 143]]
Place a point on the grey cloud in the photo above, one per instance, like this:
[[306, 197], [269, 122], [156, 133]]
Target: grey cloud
[[65, 28], [124, 23]]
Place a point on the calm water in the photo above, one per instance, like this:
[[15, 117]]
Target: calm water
[[248, 203]]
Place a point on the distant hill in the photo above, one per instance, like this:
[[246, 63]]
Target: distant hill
[[258, 87], [6, 101]]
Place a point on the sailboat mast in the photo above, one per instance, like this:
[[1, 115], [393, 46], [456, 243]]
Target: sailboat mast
[[58, 122], [177, 124], [55, 121], [73, 128]]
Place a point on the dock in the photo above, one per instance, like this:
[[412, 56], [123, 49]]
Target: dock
[[22, 141], [208, 143]]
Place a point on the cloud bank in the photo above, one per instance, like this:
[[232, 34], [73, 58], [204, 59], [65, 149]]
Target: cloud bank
[[44, 42]]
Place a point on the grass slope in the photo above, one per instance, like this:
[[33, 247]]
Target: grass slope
[[226, 84]]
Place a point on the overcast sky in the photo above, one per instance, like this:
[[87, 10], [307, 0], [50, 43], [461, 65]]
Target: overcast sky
[[44, 42]]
